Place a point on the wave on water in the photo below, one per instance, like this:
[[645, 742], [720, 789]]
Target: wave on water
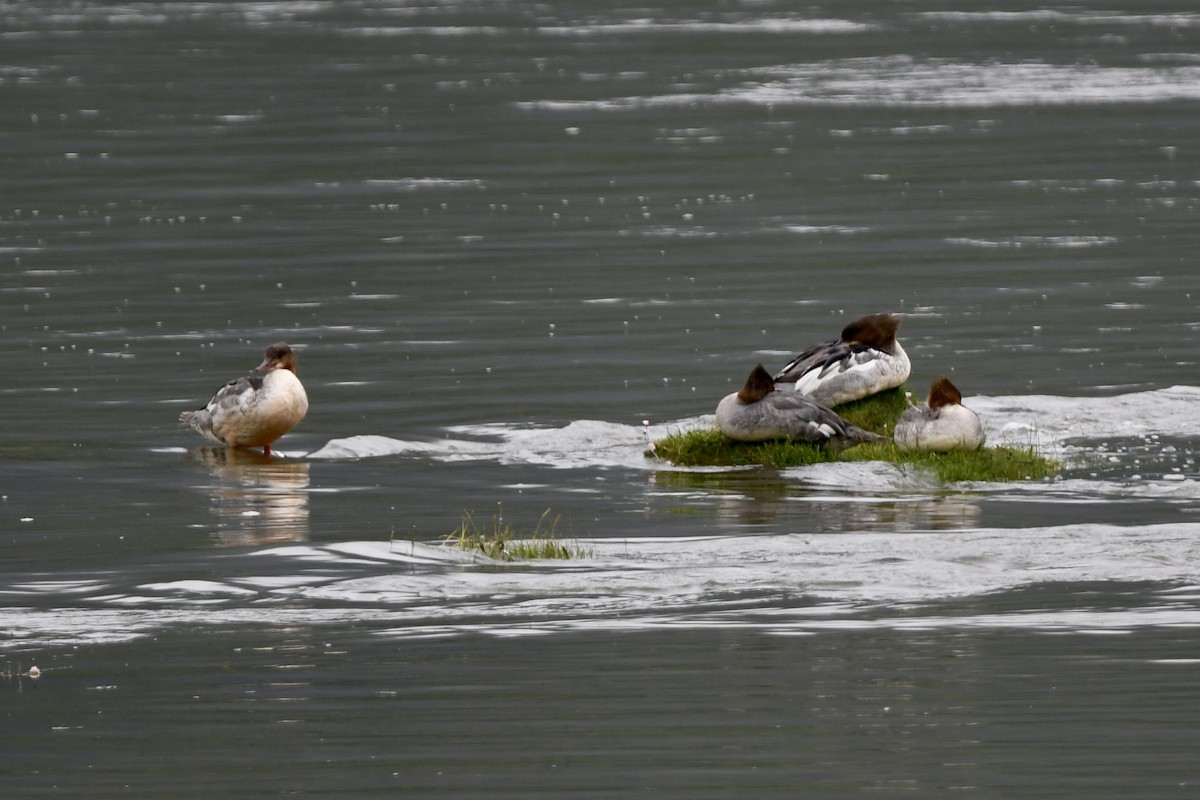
[[1134, 446], [631, 27], [755, 25], [414, 184], [906, 81], [1048, 420], [783, 584], [1058, 17], [1019, 242], [584, 443], [1061, 427]]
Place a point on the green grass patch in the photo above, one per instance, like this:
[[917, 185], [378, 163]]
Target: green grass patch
[[501, 541], [708, 447], [877, 413]]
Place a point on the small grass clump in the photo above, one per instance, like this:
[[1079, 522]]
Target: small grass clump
[[500, 541], [708, 447]]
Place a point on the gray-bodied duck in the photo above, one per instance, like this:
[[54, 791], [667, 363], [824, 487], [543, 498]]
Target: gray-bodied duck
[[759, 412]]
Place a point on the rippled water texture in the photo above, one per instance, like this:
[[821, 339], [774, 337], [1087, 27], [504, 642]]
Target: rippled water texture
[[512, 245]]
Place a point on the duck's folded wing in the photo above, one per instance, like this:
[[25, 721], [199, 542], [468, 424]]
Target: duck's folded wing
[[813, 422], [235, 395], [825, 359], [855, 355], [803, 411]]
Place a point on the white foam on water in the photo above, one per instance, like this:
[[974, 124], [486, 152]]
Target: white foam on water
[[1070, 429], [1080, 17], [1044, 420], [908, 81], [415, 184], [786, 584], [1018, 242], [782, 582], [632, 27], [583, 443]]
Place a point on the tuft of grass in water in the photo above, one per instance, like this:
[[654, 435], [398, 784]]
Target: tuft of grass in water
[[500, 541], [708, 447]]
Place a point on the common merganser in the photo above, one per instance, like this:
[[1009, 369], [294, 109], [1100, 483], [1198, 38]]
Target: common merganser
[[865, 360], [758, 413], [255, 410], [940, 424]]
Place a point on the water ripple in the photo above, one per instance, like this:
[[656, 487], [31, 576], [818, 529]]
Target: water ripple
[[906, 81], [779, 584]]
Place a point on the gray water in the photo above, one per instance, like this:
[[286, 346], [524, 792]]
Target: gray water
[[502, 235]]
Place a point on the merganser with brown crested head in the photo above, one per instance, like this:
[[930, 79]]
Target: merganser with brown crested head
[[866, 359], [758, 412], [940, 424], [255, 410]]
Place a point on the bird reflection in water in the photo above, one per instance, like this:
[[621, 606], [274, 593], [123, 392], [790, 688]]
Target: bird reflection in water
[[257, 499], [765, 497]]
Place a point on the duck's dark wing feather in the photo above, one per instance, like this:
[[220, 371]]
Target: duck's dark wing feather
[[234, 394], [826, 357]]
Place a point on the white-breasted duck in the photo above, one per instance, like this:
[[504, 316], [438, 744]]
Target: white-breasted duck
[[255, 410], [866, 359], [940, 424]]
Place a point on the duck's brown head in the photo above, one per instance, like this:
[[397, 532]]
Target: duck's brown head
[[278, 356], [873, 330], [944, 393], [758, 386]]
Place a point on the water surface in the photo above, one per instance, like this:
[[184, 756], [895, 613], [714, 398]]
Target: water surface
[[500, 237]]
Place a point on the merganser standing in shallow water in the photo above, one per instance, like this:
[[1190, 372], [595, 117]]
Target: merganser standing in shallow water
[[940, 424], [758, 412], [865, 360], [255, 410]]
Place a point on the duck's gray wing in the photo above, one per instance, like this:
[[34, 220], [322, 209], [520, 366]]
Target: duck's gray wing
[[824, 357], [235, 394], [813, 422]]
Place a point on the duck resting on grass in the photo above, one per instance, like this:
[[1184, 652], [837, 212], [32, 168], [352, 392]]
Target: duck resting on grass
[[759, 412], [940, 424], [255, 410], [866, 359]]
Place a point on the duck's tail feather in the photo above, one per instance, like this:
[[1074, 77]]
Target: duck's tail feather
[[854, 435], [200, 421]]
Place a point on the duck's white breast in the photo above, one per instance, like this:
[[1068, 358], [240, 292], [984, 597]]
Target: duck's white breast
[[262, 416]]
